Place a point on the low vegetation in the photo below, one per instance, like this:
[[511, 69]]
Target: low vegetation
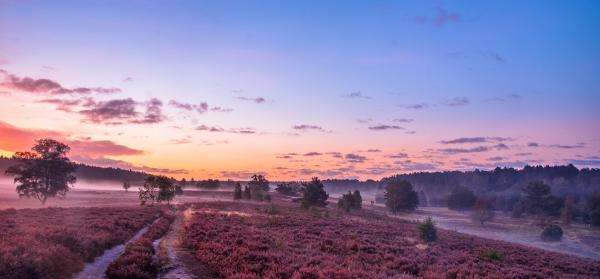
[[297, 244], [427, 230], [137, 262], [57, 242], [552, 233]]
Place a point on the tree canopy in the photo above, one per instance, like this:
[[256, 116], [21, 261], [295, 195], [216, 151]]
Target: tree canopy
[[399, 195], [46, 172], [314, 194]]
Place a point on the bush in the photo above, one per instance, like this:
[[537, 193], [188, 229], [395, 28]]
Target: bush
[[427, 230], [552, 233], [314, 194], [350, 201], [491, 255], [483, 211]]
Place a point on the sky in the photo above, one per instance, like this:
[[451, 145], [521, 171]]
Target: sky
[[297, 89]]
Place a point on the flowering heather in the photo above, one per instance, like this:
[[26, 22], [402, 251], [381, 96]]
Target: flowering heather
[[137, 260], [56, 242], [240, 240]]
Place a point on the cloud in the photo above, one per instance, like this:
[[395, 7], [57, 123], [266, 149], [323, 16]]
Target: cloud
[[402, 120], [419, 106], [13, 138], [533, 144], [128, 79], [308, 127], [313, 154], [373, 150], [496, 158], [464, 150], [385, 127], [47, 86], [524, 154], [258, 100], [222, 130], [467, 140], [122, 111], [101, 148], [69, 105], [442, 18], [565, 146], [356, 95], [501, 146], [495, 56], [200, 108], [364, 120], [355, 158], [458, 101], [408, 165], [508, 97], [398, 155], [185, 140]]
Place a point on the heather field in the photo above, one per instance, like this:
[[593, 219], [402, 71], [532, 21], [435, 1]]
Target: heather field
[[58, 242], [253, 240]]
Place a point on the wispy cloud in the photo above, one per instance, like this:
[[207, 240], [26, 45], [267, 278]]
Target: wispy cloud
[[356, 95], [458, 101], [467, 140], [222, 130], [47, 86], [258, 100], [385, 127], [464, 150]]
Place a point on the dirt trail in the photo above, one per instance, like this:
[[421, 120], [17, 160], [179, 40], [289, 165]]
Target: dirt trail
[[181, 261], [96, 269]]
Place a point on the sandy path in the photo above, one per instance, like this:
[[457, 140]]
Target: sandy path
[[96, 269], [182, 263]]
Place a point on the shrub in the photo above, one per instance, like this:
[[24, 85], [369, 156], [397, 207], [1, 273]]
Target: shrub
[[314, 194], [427, 230], [552, 233], [350, 201], [491, 255], [237, 191]]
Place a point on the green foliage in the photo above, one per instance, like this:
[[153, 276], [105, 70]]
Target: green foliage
[[46, 172], [314, 194], [552, 233], [427, 231], [350, 201], [237, 191], [461, 198], [399, 195]]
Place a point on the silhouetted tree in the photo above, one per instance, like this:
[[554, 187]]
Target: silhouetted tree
[[566, 212], [208, 184], [483, 210], [314, 194], [399, 195], [46, 172], [461, 199], [289, 188], [157, 188], [536, 196], [237, 191], [126, 186], [517, 211], [259, 182], [593, 207], [247, 194], [552, 233]]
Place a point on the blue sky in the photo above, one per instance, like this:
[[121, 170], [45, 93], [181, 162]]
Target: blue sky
[[527, 70]]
